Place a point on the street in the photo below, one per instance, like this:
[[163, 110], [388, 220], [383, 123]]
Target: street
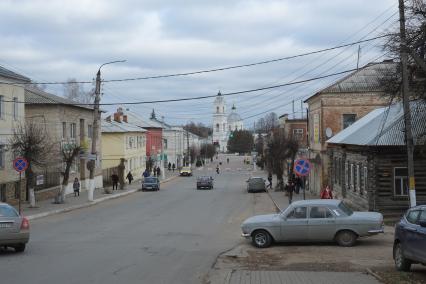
[[170, 236]]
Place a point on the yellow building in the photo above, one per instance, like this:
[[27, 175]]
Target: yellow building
[[122, 140]]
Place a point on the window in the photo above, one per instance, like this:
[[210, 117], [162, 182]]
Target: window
[[348, 120], [15, 108], [8, 211], [413, 216], [224, 127], [217, 109], [422, 215], [72, 130], [1, 107], [358, 178], [400, 181], [131, 144], [64, 130], [90, 131], [2, 156], [339, 171], [318, 212], [298, 133], [223, 108], [297, 213], [217, 127], [364, 181], [352, 176]]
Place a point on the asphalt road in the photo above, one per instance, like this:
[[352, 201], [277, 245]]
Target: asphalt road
[[170, 236]]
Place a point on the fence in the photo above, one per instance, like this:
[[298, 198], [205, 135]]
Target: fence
[[47, 179]]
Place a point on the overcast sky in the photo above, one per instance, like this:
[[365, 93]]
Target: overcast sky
[[57, 40]]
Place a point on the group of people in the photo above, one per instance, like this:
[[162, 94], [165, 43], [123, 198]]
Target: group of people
[[171, 166]]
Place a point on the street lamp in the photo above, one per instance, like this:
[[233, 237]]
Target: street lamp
[[91, 164]]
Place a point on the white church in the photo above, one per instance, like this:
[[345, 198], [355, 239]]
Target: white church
[[224, 124]]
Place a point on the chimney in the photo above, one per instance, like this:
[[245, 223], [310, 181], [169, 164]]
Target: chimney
[[117, 117], [125, 118]]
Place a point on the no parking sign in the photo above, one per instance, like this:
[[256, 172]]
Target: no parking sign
[[20, 164], [302, 167]]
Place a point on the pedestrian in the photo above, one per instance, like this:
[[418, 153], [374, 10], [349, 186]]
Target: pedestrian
[[297, 184], [169, 166], [326, 193], [173, 167], [145, 173], [76, 187], [270, 181], [290, 190], [217, 169], [129, 177], [158, 171], [227, 160], [114, 178]]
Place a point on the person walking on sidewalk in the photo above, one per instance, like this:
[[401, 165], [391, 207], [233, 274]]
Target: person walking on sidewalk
[[76, 187], [270, 181], [114, 178], [173, 167], [326, 193], [290, 189], [129, 177], [158, 171]]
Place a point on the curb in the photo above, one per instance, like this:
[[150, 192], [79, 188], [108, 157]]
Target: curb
[[374, 274], [88, 204], [277, 208]]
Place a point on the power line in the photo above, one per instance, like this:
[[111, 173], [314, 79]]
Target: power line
[[208, 70]]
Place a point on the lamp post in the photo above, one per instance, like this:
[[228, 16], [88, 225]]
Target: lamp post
[[96, 117]]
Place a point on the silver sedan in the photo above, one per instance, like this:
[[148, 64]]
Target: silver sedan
[[318, 220], [14, 229]]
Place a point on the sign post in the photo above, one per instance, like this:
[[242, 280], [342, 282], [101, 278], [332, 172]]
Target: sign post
[[20, 165], [302, 167]]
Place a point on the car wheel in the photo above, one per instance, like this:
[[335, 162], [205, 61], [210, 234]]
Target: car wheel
[[19, 248], [401, 263], [346, 238], [261, 239]]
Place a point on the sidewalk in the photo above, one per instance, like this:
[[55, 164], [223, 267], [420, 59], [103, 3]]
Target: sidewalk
[[47, 207]]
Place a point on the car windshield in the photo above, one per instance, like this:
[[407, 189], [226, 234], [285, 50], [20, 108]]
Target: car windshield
[[150, 179], [256, 180], [345, 209], [204, 178], [7, 211]]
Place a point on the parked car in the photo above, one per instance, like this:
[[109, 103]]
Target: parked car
[[205, 182], [317, 220], [151, 183], [185, 171], [410, 239], [256, 184], [14, 228]]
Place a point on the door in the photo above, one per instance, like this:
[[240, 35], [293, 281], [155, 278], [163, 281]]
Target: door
[[321, 224], [409, 231], [294, 227], [421, 238]]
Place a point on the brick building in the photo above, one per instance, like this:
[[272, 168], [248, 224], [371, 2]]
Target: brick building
[[337, 107], [295, 128]]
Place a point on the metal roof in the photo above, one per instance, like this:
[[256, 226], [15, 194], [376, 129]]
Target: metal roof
[[35, 96], [366, 79], [119, 127], [139, 121], [10, 74], [385, 127]]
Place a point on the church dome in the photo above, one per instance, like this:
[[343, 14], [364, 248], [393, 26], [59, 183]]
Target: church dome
[[233, 116]]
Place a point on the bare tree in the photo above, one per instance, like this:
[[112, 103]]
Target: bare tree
[[279, 150], [267, 123], [75, 91], [31, 142]]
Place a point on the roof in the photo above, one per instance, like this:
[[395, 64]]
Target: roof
[[139, 121], [12, 75], [385, 127], [366, 79], [119, 127], [35, 96]]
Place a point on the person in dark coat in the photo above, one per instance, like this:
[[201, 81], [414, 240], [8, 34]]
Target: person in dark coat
[[76, 187], [114, 178], [145, 173], [270, 181], [158, 171], [129, 177], [173, 167], [169, 166], [290, 189]]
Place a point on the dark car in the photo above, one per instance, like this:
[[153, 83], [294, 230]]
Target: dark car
[[204, 182], [14, 228], [410, 239], [150, 183], [256, 184]]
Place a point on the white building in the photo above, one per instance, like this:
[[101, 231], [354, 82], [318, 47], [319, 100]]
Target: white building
[[224, 124]]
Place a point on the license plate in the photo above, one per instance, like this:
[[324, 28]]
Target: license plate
[[148, 187], [5, 225]]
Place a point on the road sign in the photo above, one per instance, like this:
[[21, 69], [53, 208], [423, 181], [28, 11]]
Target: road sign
[[39, 180], [20, 164], [302, 167]]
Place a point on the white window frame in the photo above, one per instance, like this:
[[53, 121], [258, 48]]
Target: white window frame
[[352, 178], [364, 181], [1, 107], [90, 131], [358, 178], [401, 178], [15, 108], [73, 130]]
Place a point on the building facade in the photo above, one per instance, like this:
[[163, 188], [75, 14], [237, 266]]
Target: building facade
[[337, 107]]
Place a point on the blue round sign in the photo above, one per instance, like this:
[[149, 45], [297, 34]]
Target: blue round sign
[[20, 164], [302, 167]]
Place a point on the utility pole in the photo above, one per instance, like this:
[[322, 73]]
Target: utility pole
[[96, 117], [188, 156], [359, 54], [406, 104]]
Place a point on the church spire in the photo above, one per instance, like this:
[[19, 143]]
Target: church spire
[[233, 107], [153, 114]]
